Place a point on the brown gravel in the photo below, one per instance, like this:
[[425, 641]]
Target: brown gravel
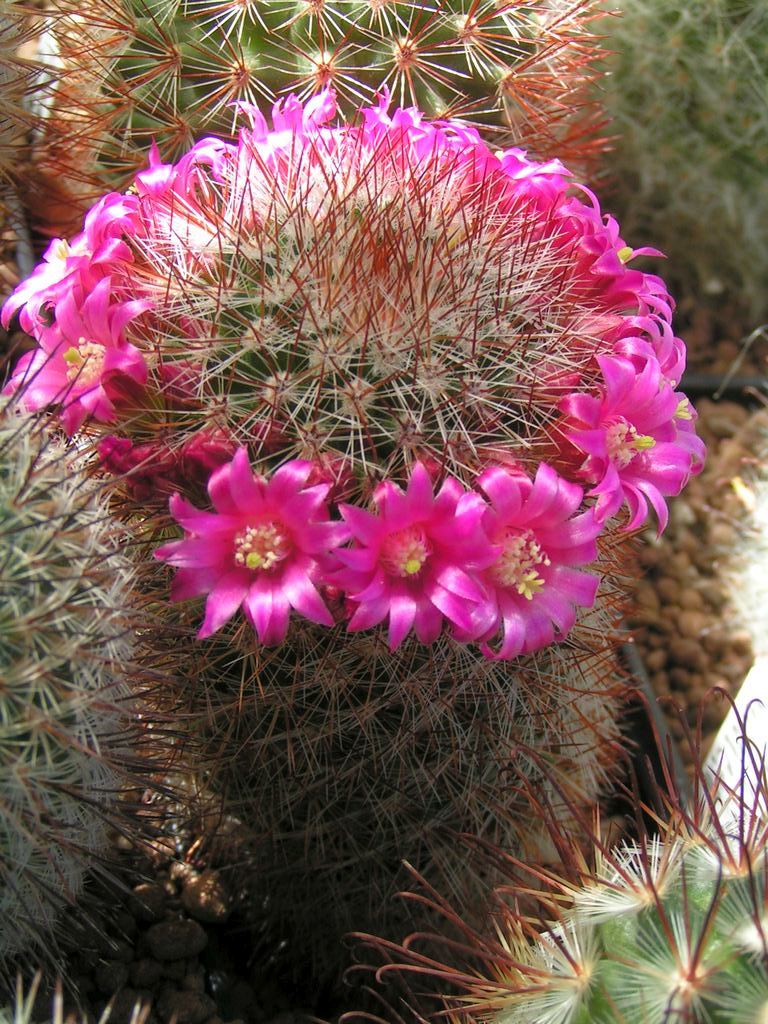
[[688, 632]]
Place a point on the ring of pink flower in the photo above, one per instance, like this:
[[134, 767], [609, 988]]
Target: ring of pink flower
[[422, 561]]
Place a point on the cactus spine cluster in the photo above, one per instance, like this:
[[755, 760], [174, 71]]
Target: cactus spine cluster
[[70, 738], [691, 124]]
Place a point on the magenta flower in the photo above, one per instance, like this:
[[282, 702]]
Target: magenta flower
[[77, 355], [532, 586], [264, 548], [414, 562], [631, 435], [73, 269]]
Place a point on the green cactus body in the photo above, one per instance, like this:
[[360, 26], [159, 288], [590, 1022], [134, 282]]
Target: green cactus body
[[66, 644], [691, 122]]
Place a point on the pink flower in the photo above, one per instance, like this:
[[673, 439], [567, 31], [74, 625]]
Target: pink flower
[[601, 255], [637, 449], [532, 586], [77, 355], [264, 548], [414, 561], [73, 269]]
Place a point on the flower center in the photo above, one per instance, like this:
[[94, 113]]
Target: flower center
[[85, 361], [405, 552], [262, 547], [519, 562], [623, 442]]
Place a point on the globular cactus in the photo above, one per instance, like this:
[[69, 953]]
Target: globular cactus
[[134, 71], [691, 125], [668, 927], [70, 731], [389, 363]]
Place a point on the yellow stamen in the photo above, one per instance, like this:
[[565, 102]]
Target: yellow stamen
[[683, 410], [519, 563], [626, 253], [643, 442], [405, 552]]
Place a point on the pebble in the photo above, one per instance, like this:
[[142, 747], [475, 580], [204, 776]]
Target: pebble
[[149, 902], [686, 652], [692, 624], [111, 976], [690, 637], [184, 1007], [206, 899], [176, 939], [240, 1000], [146, 973], [655, 660]]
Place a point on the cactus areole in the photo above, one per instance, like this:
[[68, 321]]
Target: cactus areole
[[418, 378]]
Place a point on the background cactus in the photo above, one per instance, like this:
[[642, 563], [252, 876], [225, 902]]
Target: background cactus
[[668, 927], [71, 734], [691, 123], [134, 71]]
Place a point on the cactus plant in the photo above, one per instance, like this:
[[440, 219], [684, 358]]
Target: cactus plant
[[691, 125], [668, 927], [133, 71], [69, 741], [389, 363]]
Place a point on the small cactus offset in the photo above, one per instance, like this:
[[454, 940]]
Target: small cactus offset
[[691, 122], [665, 929], [409, 399], [68, 743], [173, 71]]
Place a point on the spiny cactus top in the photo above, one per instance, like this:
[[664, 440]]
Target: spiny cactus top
[[432, 350], [134, 70]]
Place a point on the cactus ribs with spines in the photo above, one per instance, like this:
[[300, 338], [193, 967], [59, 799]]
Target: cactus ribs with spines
[[398, 388], [74, 704], [137, 71]]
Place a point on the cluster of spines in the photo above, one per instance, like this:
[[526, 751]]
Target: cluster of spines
[[25, 1008]]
